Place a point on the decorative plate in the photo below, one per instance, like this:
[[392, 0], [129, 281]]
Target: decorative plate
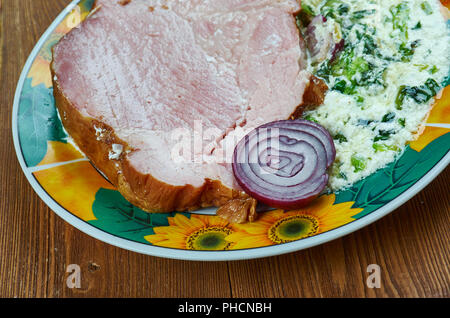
[[78, 193]]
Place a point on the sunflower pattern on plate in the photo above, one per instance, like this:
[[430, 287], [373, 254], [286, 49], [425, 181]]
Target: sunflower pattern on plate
[[440, 113], [73, 186], [429, 134], [277, 227], [60, 152], [71, 181], [199, 232]]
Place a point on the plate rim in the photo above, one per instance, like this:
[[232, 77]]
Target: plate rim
[[180, 254]]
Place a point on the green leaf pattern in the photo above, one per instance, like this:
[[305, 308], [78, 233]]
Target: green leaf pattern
[[117, 216], [386, 184], [38, 122]]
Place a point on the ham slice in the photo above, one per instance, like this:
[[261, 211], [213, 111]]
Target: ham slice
[[138, 78]]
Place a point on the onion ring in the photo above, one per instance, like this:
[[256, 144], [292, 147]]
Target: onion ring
[[284, 163]]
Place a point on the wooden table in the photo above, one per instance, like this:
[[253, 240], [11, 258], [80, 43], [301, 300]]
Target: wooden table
[[411, 245]]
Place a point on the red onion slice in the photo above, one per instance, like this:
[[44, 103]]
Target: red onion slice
[[319, 40], [284, 164], [310, 127], [338, 48]]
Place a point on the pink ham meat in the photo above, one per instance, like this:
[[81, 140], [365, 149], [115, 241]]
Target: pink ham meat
[[137, 74]]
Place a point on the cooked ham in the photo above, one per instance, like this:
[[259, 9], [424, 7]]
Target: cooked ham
[[136, 73]]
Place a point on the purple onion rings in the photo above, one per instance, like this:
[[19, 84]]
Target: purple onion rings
[[284, 163]]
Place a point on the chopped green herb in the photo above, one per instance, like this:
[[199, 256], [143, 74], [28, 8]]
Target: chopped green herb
[[358, 162], [307, 9], [324, 71], [433, 87], [340, 137], [384, 147], [400, 17], [383, 135], [364, 122], [359, 99], [420, 94], [342, 87], [402, 93], [422, 67], [417, 26], [402, 122], [433, 70], [389, 117], [368, 41], [426, 7], [352, 71], [378, 147], [343, 9], [363, 13], [334, 9], [310, 118], [358, 65], [407, 51]]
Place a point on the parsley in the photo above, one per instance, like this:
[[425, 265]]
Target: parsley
[[389, 117], [420, 94], [426, 7], [340, 137], [358, 163], [363, 13], [383, 135], [384, 147], [417, 26], [310, 118]]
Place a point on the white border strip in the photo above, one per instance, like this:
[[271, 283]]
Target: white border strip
[[197, 255], [439, 125], [53, 165]]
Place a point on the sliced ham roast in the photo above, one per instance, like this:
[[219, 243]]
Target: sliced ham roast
[[137, 74]]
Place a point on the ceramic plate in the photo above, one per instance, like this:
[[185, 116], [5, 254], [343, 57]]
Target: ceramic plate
[[78, 193]]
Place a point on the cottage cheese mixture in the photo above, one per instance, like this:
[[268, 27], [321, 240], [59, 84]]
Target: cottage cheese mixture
[[382, 83]]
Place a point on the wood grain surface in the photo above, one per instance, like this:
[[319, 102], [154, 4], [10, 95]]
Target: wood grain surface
[[411, 245]]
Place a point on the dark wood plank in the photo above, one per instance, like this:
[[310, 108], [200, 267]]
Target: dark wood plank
[[410, 245]]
